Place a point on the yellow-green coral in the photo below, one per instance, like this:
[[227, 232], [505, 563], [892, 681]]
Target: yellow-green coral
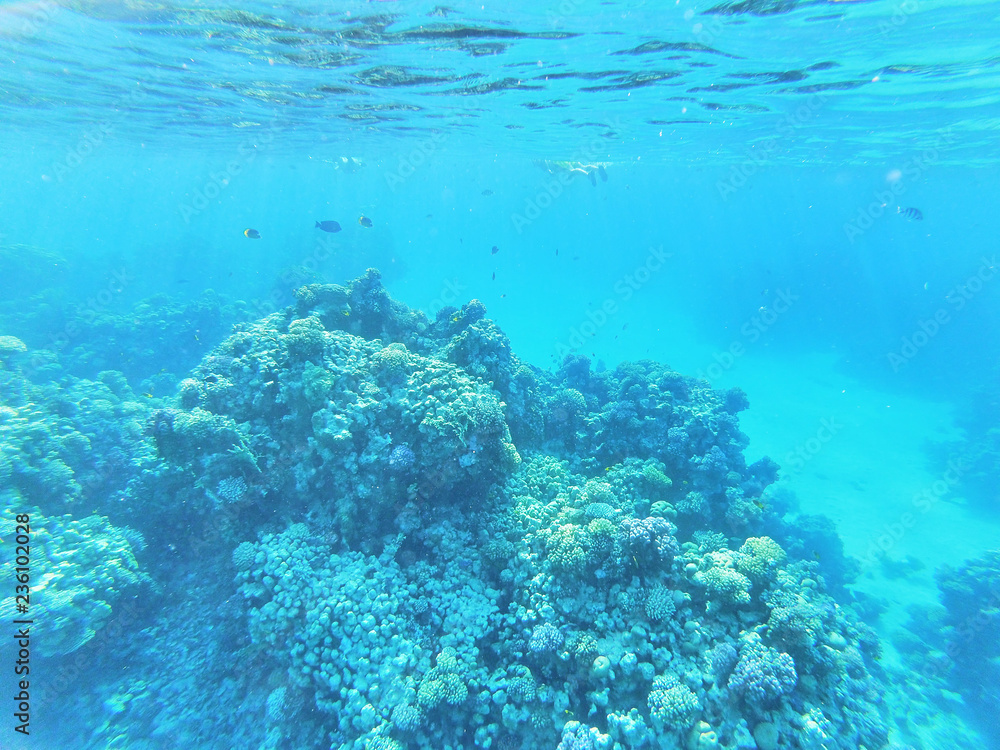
[[657, 482], [758, 556], [393, 361], [11, 345], [306, 337], [601, 527], [664, 509], [725, 585], [317, 384], [566, 547]]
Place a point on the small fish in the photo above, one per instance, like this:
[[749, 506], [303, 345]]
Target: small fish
[[494, 275], [502, 296], [602, 173], [495, 250], [557, 251], [487, 193], [328, 226], [593, 180], [365, 222], [913, 214], [252, 234]]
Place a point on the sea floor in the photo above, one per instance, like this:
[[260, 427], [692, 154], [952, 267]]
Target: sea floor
[[859, 455]]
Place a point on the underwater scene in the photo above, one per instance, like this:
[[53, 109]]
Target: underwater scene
[[590, 375]]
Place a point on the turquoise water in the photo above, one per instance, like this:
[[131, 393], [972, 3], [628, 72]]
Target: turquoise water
[[667, 419]]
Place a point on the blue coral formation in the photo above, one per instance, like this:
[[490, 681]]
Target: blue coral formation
[[401, 459], [762, 674], [545, 637], [968, 633], [428, 543]]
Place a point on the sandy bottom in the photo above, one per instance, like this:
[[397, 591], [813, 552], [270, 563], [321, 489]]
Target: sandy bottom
[[860, 456]]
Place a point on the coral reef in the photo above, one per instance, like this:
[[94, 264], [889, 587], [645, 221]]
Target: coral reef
[[971, 598], [78, 569], [430, 544]]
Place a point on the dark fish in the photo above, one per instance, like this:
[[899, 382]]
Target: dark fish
[[495, 250], [914, 214], [487, 193], [494, 275], [328, 226], [251, 233], [365, 222], [593, 180], [602, 173]]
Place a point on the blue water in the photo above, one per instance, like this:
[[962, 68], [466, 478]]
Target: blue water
[[256, 519]]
